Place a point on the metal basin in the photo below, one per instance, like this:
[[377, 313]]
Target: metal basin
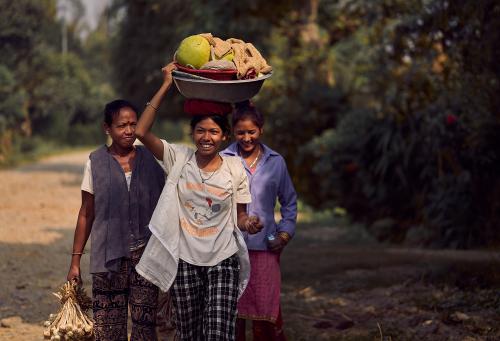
[[232, 91]]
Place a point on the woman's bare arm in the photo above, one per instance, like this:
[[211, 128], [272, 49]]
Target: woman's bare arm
[[143, 129], [82, 233]]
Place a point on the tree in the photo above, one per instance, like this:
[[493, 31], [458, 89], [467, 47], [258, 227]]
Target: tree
[[11, 113], [421, 146], [386, 107], [50, 94], [150, 32]]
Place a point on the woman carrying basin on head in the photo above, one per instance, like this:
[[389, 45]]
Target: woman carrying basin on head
[[197, 250]]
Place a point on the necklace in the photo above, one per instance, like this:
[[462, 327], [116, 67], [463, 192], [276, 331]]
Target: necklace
[[255, 160], [210, 176], [205, 180]]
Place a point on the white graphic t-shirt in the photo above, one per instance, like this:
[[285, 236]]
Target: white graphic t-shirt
[[205, 205]]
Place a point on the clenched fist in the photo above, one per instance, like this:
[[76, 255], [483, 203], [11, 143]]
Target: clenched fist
[[252, 224]]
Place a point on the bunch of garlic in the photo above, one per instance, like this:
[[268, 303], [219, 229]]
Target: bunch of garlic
[[72, 321]]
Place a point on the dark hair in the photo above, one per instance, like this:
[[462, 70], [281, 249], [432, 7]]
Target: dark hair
[[113, 108], [220, 120], [246, 110]]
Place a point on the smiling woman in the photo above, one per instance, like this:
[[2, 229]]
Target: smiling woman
[[197, 248], [268, 174], [209, 132]]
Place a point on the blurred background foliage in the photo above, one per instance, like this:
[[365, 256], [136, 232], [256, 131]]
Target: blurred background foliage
[[387, 108]]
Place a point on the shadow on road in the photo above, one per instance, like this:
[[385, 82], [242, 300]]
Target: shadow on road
[[31, 273], [333, 290]]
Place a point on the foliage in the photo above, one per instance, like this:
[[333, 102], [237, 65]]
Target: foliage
[[43, 92], [388, 108], [150, 32], [385, 107], [291, 92], [424, 150], [10, 110]]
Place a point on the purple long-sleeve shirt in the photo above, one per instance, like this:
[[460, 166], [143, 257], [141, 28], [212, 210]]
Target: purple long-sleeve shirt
[[269, 182]]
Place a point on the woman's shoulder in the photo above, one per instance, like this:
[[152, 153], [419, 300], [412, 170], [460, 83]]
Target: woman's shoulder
[[99, 152], [145, 152], [233, 162], [177, 147], [231, 159], [273, 155], [231, 150], [270, 151], [148, 159]]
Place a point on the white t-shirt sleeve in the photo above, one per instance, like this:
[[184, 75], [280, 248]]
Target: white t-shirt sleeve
[[242, 189], [168, 156], [87, 184]]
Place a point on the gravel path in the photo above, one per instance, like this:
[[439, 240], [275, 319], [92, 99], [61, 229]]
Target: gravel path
[[336, 284], [38, 208]]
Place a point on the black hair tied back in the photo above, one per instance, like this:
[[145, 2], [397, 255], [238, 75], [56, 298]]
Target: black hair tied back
[[244, 105], [220, 120], [113, 108], [247, 110]]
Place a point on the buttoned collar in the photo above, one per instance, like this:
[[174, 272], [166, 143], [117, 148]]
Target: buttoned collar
[[233, 150]]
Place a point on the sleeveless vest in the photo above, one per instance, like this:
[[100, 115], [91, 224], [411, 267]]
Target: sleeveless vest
[[121, 217]]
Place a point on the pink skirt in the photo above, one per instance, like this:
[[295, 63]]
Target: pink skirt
[[261, 299]]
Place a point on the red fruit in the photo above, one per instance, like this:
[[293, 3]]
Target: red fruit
[[351, 167], [451, 119]]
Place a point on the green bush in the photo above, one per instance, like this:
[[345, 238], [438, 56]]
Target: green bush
[[423, 146], [388, 108]]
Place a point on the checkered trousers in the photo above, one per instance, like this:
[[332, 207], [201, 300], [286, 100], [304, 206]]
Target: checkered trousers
[[205, 300]]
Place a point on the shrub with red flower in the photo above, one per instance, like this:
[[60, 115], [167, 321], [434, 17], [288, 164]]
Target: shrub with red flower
[[451, 119]]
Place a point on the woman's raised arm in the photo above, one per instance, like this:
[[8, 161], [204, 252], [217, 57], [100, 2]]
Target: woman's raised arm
[[143, 129]]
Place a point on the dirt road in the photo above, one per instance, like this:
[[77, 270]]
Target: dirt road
[[337, 283], [38, 208]]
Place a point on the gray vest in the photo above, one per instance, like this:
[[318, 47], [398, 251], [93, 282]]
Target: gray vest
[[121, 217]]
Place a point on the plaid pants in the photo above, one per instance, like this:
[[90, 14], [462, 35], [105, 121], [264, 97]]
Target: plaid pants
[[111, 297], [205, 299]]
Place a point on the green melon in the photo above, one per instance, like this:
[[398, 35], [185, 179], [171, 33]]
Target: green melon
[[194, 51]]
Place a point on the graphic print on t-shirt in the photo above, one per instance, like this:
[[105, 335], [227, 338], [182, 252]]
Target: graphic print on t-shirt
[[202, 205], [202, 214]]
